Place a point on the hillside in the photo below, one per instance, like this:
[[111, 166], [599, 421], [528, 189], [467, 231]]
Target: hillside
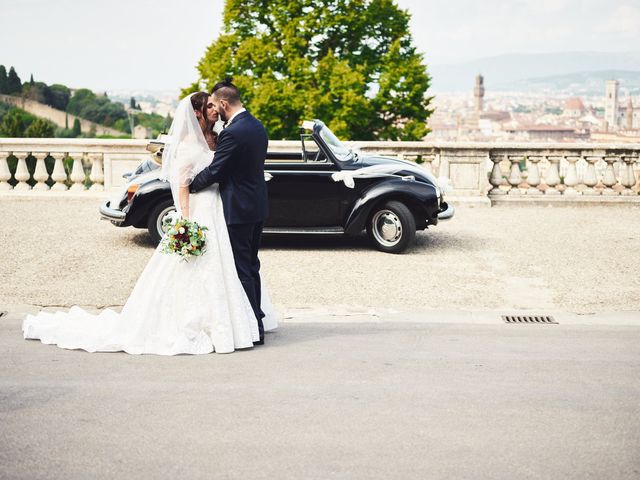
[[502, 72], [582, 83]]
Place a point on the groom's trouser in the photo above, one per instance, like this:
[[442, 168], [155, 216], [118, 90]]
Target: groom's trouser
[[245, 242]]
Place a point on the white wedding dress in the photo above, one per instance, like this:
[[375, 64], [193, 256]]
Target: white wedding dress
[[176, 307]]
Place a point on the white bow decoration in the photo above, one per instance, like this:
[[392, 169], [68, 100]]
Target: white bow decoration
[[348, 176]]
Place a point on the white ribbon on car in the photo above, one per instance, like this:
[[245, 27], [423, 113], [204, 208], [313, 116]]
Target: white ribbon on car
[[349, 176]]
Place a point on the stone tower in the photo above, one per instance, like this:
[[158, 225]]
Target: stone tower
[[611, 104], [629, 115], [478, 94]]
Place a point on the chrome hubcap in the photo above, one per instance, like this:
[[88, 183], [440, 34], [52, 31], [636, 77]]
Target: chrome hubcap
[[387, 228], [162, 217]]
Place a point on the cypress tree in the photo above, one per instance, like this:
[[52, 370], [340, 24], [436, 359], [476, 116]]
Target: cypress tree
[[77, 129], [14, 85], [3, 79]]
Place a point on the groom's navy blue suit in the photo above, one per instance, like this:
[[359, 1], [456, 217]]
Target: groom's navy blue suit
[[238, 166]]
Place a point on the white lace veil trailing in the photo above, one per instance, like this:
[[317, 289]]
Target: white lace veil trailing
[[185, 151]]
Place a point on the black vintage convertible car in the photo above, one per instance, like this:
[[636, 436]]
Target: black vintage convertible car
[[324, 189]]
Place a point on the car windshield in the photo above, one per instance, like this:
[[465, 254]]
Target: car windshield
[[341, 152]]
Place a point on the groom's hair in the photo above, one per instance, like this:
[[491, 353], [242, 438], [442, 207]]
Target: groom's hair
[[226, 90]]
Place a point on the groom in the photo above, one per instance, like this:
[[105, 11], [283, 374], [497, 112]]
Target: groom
[[238, 167]]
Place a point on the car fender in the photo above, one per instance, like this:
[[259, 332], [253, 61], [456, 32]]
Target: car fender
[[420, 197], [144, 201]]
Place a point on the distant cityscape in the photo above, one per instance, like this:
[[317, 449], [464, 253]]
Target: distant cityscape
[[482, 115]]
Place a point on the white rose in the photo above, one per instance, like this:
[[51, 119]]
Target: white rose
[[181, 230]]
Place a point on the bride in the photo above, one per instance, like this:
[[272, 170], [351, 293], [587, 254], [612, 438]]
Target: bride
[[176, 307]]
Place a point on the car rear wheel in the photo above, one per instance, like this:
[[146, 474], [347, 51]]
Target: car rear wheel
[[157, 217], [391, 227]]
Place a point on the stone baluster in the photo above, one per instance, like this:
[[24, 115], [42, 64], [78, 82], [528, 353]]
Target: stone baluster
[[5, 173], [59, 175], [77, 174], [571, 178], [40, 174], [515, 177], [97, 175], [22, 172], [533, 179], [627, 176], [496, 179], [400, 156], [428, 162], [552, 177], [609, 179], [590, 176]]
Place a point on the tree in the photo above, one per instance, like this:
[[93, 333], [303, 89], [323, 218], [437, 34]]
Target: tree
[[40, 128], [36, 91], [351, 63], [133, 105], [77, 128], [12, 124], [3, 79], [14, 85], [58, 96], [99, 109]]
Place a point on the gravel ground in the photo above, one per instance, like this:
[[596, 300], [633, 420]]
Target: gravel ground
[[580, 259]]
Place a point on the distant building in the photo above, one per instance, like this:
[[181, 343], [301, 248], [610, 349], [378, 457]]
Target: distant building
[[574, 108], [142, 132], [616, 116], [548, 133], [611, 103], [478, 94]]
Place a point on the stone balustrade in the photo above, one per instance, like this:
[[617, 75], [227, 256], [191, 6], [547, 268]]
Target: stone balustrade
[[481, 173]]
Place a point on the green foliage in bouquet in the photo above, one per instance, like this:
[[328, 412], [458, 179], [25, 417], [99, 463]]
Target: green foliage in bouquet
[[184, 238]]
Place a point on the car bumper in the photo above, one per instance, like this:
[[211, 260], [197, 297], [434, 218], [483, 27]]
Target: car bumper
[[446, 211], [117, 217]]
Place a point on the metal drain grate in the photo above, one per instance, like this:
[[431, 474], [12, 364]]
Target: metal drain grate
[[528, 319]]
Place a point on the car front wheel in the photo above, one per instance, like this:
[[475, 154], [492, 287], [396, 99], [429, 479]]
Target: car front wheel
[[157, 217], [391, 227]]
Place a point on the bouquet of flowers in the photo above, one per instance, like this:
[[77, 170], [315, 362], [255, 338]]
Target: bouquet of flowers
[[184, 238]]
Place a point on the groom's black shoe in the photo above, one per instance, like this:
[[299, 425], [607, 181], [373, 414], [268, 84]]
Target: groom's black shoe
[[259, 342]]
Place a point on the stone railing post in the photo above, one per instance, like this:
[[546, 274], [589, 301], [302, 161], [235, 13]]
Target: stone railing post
[[22, 172], [533, 178], [515, 176], [627, 176], [609, 179], [552, 177], [466, 168], [496, 179], [427, 162], [77, 173], [59, 175], [97, 175], [40, 174], [590, 176], [5, 173], [571, 179]]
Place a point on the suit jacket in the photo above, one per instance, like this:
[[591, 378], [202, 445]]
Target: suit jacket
[[238, 166]]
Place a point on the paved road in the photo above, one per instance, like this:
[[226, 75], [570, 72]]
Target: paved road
[[386, 400]]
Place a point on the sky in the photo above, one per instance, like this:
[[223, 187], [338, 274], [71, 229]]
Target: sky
[[156, 44]]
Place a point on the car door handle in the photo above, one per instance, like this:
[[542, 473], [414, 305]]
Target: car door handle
[[267, 176]]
